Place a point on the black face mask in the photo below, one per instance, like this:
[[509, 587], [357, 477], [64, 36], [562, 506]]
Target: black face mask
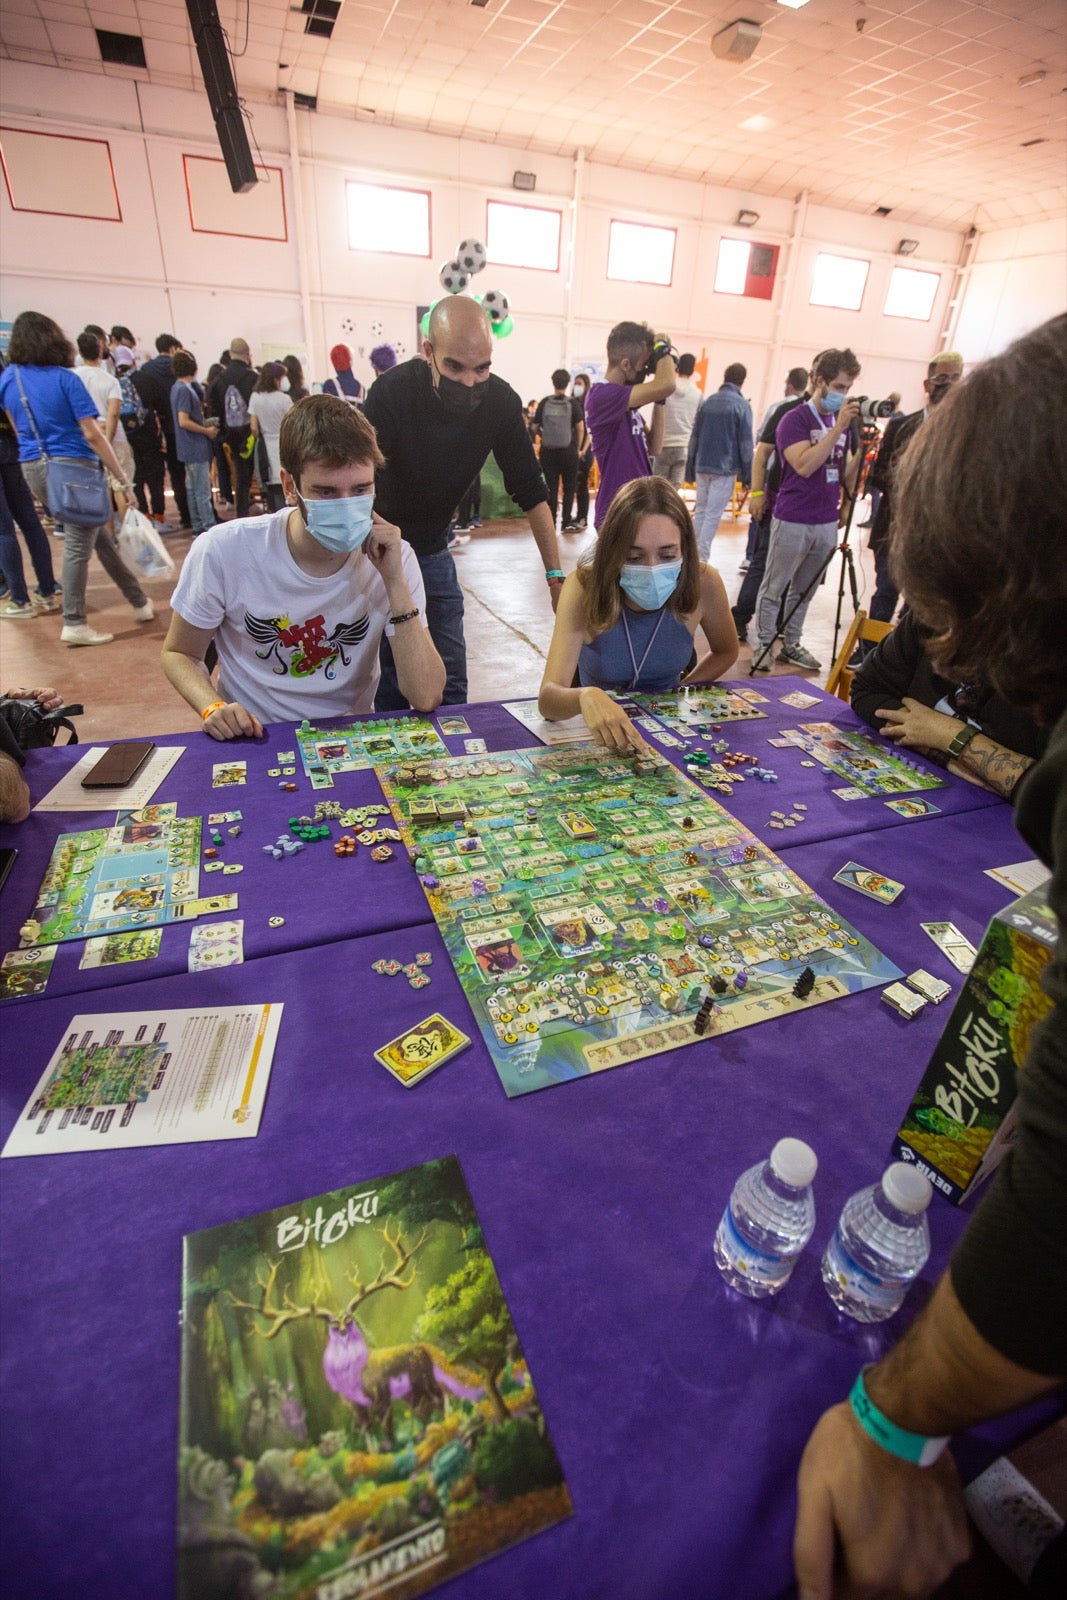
[[459, 398]]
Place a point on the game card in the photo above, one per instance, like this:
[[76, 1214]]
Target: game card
[[474, 747], [453, 724], [216, 944], [229, 774], [954, 945], [216, 819], [26, 971], [799, 699], [753, 697], [914, 808], [414, 1054], [872, 884], [781, 744], [112, 949], [850, 794], [206, 905]]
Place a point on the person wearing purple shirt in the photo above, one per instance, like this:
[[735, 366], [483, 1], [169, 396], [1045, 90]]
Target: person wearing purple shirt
[[612, 408], [812, 443]]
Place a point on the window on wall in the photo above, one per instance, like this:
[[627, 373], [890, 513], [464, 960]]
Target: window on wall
[[746, 268], [640, 254], [523, 236], [393, 221], [839, 281], [911, 293]]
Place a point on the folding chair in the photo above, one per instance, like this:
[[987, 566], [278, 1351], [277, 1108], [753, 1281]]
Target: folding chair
[[840, 680]]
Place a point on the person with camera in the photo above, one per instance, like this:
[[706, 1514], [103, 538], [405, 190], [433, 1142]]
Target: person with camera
[[812, 443], [640, 373], [14, 790]]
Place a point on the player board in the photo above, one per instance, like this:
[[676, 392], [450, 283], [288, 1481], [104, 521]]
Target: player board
[[137, 874], [588, 901], [864, 763], [358, 745], [692, 712]]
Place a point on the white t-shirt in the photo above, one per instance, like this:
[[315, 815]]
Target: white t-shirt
[[289, 645], [680, 413], [102, 385], [270, 409]]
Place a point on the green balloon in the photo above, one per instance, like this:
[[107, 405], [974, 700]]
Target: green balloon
[[424, 325], [502, 329]]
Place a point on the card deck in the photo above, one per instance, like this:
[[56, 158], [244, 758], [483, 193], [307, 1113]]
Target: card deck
[[914, 808], [417, 1052], [872, 884]]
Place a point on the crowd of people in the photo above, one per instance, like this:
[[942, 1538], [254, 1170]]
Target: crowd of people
[[343, 598]]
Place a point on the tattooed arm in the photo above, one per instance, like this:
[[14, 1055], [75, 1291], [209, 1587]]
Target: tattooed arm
[[982, 761]]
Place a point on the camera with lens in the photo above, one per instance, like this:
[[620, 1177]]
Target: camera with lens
[[660, 349], [872, 411]]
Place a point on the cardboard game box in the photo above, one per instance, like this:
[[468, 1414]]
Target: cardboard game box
[[961, 1121]]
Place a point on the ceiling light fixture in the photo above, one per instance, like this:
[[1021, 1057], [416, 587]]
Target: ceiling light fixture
[[1029, 78], [747, 219], [524, 180], [907, 247], [794, 5], [736, 42]]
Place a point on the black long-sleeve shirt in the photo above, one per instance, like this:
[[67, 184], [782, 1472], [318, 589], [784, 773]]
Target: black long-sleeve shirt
[[1010, 1268], [433, 455]]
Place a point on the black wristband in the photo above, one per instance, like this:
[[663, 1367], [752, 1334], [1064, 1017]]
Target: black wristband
[[405, 616]]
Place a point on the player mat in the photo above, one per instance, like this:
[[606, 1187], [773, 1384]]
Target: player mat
[[691, 712], [140, 873], [588, 902], [866, 764], [354, 747]]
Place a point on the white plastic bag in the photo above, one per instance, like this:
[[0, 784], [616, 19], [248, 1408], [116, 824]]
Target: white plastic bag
[[141, 547]]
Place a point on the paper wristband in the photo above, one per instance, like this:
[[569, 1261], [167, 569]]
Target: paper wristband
[[216, 705], [920, 1449]]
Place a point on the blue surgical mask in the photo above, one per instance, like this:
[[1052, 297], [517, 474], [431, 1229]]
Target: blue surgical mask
[[650, 587], [832, 400], [342, 525]]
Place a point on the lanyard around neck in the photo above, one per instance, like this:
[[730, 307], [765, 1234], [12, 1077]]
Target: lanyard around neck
[[638, 669]]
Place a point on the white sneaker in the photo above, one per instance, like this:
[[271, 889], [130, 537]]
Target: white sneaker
[[11, 608], [145, 613], [81, 633]]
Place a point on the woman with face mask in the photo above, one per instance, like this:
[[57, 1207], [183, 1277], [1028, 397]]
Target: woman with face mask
[[628, 617], [268, 405]]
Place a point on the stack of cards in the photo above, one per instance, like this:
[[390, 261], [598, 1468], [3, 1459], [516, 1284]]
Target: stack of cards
[[417, 1052], [954, 945], [872, 884]]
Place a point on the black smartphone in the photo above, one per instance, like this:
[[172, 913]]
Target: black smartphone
[[7, 861], [117, 766]]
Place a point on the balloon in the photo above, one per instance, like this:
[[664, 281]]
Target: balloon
[[502, 329]]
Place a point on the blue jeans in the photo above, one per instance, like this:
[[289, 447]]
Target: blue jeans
[[886, 594], [78, 546], [714, 491], [17, 507], [444, 618], [198, 488]]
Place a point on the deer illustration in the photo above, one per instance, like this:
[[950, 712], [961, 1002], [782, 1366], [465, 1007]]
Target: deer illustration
[[371, 1379]]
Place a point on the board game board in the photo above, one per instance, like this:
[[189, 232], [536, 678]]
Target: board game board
[[357, 746], [142, 872], [863, 762], [587, 902], [691, 712]]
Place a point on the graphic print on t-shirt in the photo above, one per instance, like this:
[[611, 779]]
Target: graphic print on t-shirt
[[309, 648]]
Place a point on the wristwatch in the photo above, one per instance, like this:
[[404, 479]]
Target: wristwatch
[[962, 740]]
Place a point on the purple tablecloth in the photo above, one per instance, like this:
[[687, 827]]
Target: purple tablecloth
[[678, 1409]]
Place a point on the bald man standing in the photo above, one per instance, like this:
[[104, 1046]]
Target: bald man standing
[[438, 417]]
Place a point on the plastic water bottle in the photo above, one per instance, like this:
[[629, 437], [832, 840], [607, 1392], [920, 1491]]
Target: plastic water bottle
[[769, 1220], [880, 1245]]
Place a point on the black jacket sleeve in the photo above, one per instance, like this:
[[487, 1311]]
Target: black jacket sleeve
[[898, 666], [1010, 1268]]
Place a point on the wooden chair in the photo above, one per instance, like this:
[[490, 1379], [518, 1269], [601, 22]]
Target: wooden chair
[[840, 680]]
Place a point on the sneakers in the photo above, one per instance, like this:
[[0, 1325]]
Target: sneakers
[[144, 613], [797, 656], [11, 608], [159, 525], [81, 633], [49, 602], [761, 659], [743, 566]]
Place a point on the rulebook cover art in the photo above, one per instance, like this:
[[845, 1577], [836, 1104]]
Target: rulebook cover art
[[357, 1414]]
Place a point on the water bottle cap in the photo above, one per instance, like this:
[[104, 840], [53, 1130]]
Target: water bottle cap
[[794, 1162], [905, 1187]]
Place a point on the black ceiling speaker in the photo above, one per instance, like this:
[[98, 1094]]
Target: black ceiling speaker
[[222, 93]]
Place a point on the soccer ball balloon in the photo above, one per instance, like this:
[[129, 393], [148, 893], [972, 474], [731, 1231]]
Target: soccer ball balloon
[[453, 278], [471, 255], [495, 302]]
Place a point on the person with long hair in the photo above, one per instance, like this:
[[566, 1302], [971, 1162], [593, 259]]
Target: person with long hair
[[629, 614], [294, 372], [977, 548], [54, 416], [267, 407]]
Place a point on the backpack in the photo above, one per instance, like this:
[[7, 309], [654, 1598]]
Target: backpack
[[132, 413], [557, 426], [235, 408]]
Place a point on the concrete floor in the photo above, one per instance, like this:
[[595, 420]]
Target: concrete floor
[[508, 625]]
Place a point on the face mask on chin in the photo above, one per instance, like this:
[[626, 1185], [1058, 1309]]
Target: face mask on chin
[[340, 526], [650, 587], [459, 398]]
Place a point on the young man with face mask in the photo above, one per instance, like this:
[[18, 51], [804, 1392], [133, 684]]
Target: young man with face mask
[[942, 374], [437, 418], [813, 445], [297, 603], [640, 372]]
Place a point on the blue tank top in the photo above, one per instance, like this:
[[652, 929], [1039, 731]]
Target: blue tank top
[[608, 663]]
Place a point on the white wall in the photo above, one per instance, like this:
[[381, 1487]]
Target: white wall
[[153, 272], [1018, 279]]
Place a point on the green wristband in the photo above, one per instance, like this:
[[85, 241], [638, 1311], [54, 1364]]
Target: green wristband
[[921, 1449]]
